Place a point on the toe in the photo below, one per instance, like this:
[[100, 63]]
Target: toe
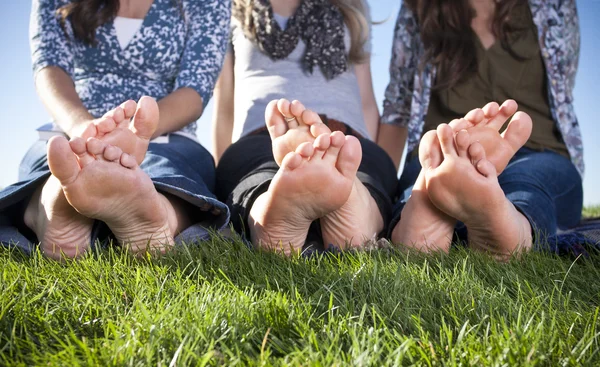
[[486, 168], [430, 154], [63, 163], [79, 147], [322, 143], [129, 108], [145, 120], [474, 117], [349, 157], [96, 147], [312, 119], [292, 161], [476, 152], [305, 150], [128, 161], [116, 114], [337, 141], [462, 140], [490, 110], [112, 153], [105, 124], [446, 138], [518, 131], [508, 108], [297, 108], [274, 119]]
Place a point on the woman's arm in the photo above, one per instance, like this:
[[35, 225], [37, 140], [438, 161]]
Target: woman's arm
[[222, 121], [367, 96], [392, 139], [52, 60], [57, 92], [396, 115], [206, 43]]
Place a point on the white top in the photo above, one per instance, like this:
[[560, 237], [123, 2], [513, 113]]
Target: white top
[[126, 29]]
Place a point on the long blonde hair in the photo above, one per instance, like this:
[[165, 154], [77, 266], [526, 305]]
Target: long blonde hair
[[354, 13]]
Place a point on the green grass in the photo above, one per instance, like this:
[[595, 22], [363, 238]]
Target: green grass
[[220, 303], [591, 211]]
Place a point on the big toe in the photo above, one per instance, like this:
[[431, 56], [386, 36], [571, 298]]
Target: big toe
[[275, 120], [518, 131], [430, 153], [349, 157], [145, 120], [62, 161]]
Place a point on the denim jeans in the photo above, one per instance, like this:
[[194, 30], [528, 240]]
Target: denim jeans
[[181, 167], [545, 186]]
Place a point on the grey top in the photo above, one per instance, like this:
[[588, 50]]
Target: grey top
[[258, 80]]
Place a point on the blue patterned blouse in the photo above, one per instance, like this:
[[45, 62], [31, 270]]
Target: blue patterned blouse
[[176, 47], [407, 95]]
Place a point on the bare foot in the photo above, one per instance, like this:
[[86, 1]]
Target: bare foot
[[291, 124], [312, 182], [130, 126], [102, 182], [483, 126], [359, 219], [61, 230], [465, 186], [422, 225]]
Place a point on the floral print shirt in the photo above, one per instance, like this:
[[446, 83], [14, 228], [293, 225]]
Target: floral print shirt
[[177, 46], [407, 95]]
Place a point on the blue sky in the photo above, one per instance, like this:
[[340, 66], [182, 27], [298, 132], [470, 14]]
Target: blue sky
[[23, 111]]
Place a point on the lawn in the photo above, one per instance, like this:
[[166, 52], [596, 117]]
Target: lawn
[[220, 303]]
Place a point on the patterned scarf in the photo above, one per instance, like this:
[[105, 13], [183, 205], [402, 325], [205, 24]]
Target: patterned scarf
[[317, 22]]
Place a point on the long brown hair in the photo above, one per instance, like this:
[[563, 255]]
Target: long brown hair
[[87, 15], [445, 28], [354, 17]]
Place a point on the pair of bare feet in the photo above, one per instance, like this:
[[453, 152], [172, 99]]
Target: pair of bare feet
[[97, 177], [316, 181], [458, 181]]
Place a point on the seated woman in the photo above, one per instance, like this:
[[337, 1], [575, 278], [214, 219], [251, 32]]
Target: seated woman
[[493, 51], [293, 182], [88, 57]]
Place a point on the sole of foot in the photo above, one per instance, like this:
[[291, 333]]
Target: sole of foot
[[422, 225], [313, 181], [465, 186], [61, 230], [291, 124], [102, 182]]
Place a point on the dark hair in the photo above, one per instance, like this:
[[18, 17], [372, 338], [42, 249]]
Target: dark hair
[[87, 15], [446, 32]]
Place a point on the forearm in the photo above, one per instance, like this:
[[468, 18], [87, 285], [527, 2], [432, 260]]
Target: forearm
[[178, 109], [392, 139], [57, 91], [221, 135], [372, 120]]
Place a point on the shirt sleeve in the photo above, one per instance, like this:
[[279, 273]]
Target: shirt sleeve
[[49, 44], [206, 43], [403, 69]]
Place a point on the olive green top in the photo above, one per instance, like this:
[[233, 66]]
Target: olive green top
[[499, 77]]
